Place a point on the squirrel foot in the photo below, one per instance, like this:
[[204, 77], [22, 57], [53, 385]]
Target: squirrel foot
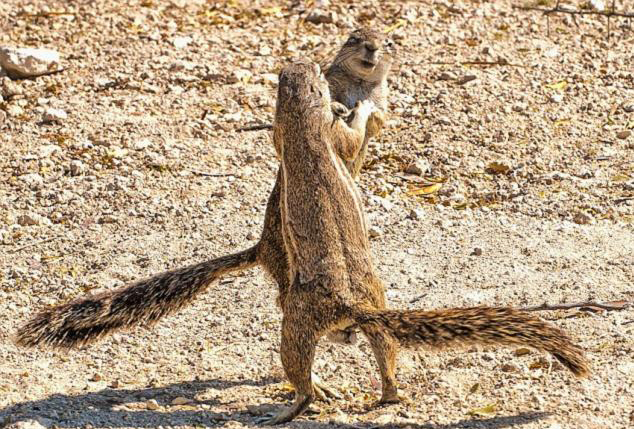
[[323, 392]]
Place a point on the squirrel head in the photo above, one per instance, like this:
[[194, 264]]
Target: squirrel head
[[366, 54]]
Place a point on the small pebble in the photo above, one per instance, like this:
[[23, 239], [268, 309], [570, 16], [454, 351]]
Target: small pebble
[[418, 167], [623, 134], [375, 231], [54, 115], [556, 97], [181, 400], [152, 405]]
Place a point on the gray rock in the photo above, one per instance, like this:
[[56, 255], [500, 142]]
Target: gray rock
[[10, 88], [40, 423], [28, 62], [375, 231], [418, 167], [29, 219], [466, 79], [54, 115], [48, 149], [14, 111], [582, 218], [447, 76], [77, 167], [32, 180], [320, 16], [152, 405], [416, 214], [556, 97]]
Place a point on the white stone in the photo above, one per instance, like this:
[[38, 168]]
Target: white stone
[[270, 78], [48, 149], [40, 423], [14, 110], [181, 400], [181, 42], [54, 115], [28, 62], [556, 97], [152, 405], [142, 144]]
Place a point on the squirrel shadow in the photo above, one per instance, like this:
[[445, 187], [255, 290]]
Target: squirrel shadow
[[99, 409]]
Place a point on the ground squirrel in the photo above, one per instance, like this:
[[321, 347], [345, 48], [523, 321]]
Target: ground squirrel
[[358, 72], [332, 279]]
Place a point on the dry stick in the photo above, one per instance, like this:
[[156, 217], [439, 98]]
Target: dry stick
[[255, 128], [478, 63], [604, 306], [207, 174], [573, 12], [36, 243]]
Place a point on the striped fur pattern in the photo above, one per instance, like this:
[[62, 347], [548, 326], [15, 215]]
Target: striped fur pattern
[[144, 302], [483, 325], [333, 283]]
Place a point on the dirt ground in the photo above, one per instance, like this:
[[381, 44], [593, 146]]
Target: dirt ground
[[536, 204]]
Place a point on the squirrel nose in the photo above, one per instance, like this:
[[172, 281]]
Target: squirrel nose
[[370, 46]]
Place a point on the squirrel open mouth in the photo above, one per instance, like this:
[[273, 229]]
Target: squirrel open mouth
[[368, 64]]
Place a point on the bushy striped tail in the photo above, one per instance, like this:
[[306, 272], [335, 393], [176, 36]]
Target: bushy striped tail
[[484, 325], [144, 302]]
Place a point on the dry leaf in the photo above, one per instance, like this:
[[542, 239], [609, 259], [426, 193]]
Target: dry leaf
[[399, 23], [522, 351], [498, 168], [474, 388], [564, 121], [425, 190], [486, 411], [287, 387], [557, 86]]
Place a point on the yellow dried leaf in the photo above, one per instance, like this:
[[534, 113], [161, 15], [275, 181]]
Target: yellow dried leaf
[[399, 23], [522, 351], [620, 178], [425, 190], [557, 86], [564, 121], [271, 10], [117, 153], [498, 167], [287, 387], [484, 411]]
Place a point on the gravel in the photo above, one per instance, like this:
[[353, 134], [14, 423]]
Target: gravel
[[146, 173]]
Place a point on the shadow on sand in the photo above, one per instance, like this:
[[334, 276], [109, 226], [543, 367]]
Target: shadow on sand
[[102, 410]]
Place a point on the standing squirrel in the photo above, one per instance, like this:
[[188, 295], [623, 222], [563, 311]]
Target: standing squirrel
[[358, 72], [332, 281]]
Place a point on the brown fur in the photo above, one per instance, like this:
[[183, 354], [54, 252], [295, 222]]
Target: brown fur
[[144, 302], [332, 278]]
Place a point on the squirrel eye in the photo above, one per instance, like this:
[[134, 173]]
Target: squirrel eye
[[353, 40]]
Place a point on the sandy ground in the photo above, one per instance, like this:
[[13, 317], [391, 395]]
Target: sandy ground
[[537, 174]]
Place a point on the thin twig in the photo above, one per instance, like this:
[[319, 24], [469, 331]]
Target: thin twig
[[478, 63], [45, 14], [616, 305], [36, 243], [255, 128], [208, 174], [558, 9]]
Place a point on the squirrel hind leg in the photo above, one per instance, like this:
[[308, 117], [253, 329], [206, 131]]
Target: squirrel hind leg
[[385, 349], [297, 352]]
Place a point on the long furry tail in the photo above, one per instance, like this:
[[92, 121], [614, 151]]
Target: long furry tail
[[484, 325], [144, 302]]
